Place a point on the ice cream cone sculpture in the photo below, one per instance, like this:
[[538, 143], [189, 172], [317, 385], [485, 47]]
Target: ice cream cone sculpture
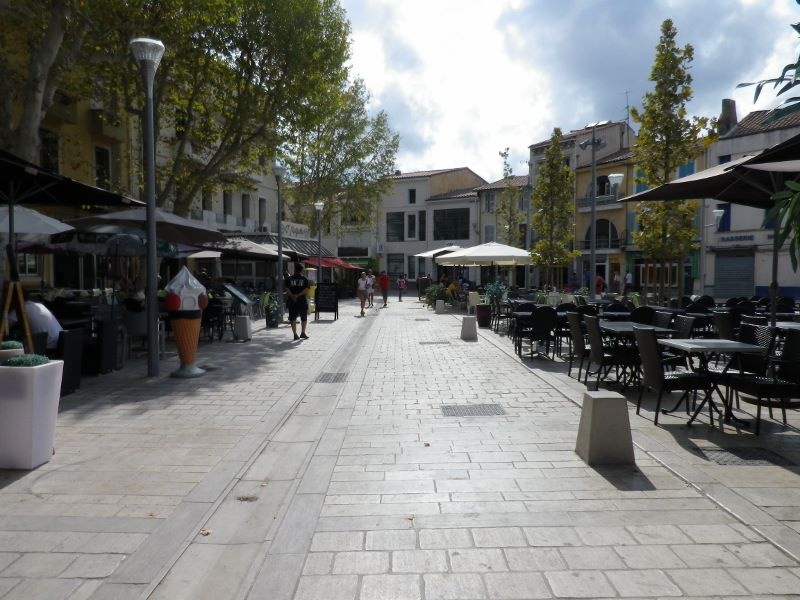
[[186, 299]]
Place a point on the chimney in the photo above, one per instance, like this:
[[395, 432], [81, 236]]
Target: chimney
[[727, 118]]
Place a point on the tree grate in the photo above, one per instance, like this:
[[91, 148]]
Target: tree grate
[[472, 410], [744, 456], [331, 378], [442, 343]]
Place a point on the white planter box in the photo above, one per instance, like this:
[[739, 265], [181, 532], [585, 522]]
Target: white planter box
[[6, 354], [28, 410]]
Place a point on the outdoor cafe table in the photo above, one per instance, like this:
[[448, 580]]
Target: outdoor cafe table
[[704, 347], [787, 325], [625, 328]]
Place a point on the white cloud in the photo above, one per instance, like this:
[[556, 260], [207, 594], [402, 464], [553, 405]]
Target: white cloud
[[463, 79]]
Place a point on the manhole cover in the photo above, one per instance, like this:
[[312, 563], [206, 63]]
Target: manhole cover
[[331, 377], [433, 343], [744, 456], [472, 410]]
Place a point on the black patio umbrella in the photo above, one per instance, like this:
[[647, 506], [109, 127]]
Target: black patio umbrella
[[749, 181], [169, 226]]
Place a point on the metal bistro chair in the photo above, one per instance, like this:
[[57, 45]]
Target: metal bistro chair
[[542, 331], [644, 315], [578, 347], [663, 319], [656, 377], [782, 384], [607, 358]]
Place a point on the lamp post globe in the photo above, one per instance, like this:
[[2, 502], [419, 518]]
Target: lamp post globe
[[148, 53], [278, 170]]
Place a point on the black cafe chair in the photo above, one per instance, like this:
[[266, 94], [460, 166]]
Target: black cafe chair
[[656, 376], [776, 388], [578, 348], [624, 360]]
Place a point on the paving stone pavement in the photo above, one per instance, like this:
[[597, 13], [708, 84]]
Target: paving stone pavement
[[325, 468]]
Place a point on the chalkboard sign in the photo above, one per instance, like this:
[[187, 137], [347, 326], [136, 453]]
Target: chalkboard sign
[[326, 299], [238, 294]]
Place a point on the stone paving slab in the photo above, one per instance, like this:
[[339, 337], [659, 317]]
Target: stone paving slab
[[259, 482]]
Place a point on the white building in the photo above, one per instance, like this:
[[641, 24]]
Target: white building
[[738, 258]]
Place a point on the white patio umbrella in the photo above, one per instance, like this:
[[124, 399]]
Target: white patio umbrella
[[488, 254], [433, 253], [30, 225]]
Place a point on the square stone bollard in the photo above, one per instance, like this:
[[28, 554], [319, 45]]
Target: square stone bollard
[[604, 433], [469, 329], [440, 307]]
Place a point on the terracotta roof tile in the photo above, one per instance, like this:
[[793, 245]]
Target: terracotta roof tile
[[455, 195], [516, 181], [754, 123], [415, 174]]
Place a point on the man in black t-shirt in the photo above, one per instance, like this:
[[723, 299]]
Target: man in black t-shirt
[[296, 290]]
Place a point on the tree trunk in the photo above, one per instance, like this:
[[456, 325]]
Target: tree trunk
[[38, 93]]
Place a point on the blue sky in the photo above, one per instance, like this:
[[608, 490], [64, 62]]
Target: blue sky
[[463, 79]]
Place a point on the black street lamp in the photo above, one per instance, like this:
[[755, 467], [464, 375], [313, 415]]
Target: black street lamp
[[148, 53], [279, 171]]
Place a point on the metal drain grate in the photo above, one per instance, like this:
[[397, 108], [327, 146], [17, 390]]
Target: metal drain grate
[[331, 378], [422, 319], [434, 343], [472, 410], [744, 456]]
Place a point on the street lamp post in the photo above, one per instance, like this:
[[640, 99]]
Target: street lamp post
[[595, 143], [319, 205], [148, 53], [527, 198], [718, 213], [279, 171]]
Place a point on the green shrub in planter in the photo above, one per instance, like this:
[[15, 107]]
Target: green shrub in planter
[[11, 345], [26, 360], [433, 293]]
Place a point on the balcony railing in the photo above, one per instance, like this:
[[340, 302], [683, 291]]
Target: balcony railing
[[606, 200], [601, 244]]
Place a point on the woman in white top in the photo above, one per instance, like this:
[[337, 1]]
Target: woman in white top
[[362, 291], [370, 290]]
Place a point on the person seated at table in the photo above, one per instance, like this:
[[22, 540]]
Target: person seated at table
[[40, 320], [452, 291]]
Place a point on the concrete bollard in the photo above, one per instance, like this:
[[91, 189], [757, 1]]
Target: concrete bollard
[[440, 307], [604, 433], [469, 329]]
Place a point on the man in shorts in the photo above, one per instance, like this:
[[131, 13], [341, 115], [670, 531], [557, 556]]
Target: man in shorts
[[296, 290], [370, 287]]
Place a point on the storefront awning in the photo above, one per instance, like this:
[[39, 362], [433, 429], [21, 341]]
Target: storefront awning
[[331, 262]]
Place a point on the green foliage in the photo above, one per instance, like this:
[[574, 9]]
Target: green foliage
[[272, 310], [11, 345], [553, 212], [340, 154], [507, 210], [783, 83], [240, 83], [786, 213], [26, 360], [433, 293], [495, 291], [667, 139]]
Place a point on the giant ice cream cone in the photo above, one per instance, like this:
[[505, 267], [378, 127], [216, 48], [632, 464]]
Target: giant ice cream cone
[[185, 301], [187, 335]]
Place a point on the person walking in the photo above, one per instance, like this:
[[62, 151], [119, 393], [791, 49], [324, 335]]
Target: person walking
[[628, 284], [370, 287], [402, 282], [297, 299], [383, 283], [362, 290]]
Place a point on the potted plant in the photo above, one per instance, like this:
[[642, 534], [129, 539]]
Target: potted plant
[[30, 388], [10, 348], [433, 293], [494, 293]]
